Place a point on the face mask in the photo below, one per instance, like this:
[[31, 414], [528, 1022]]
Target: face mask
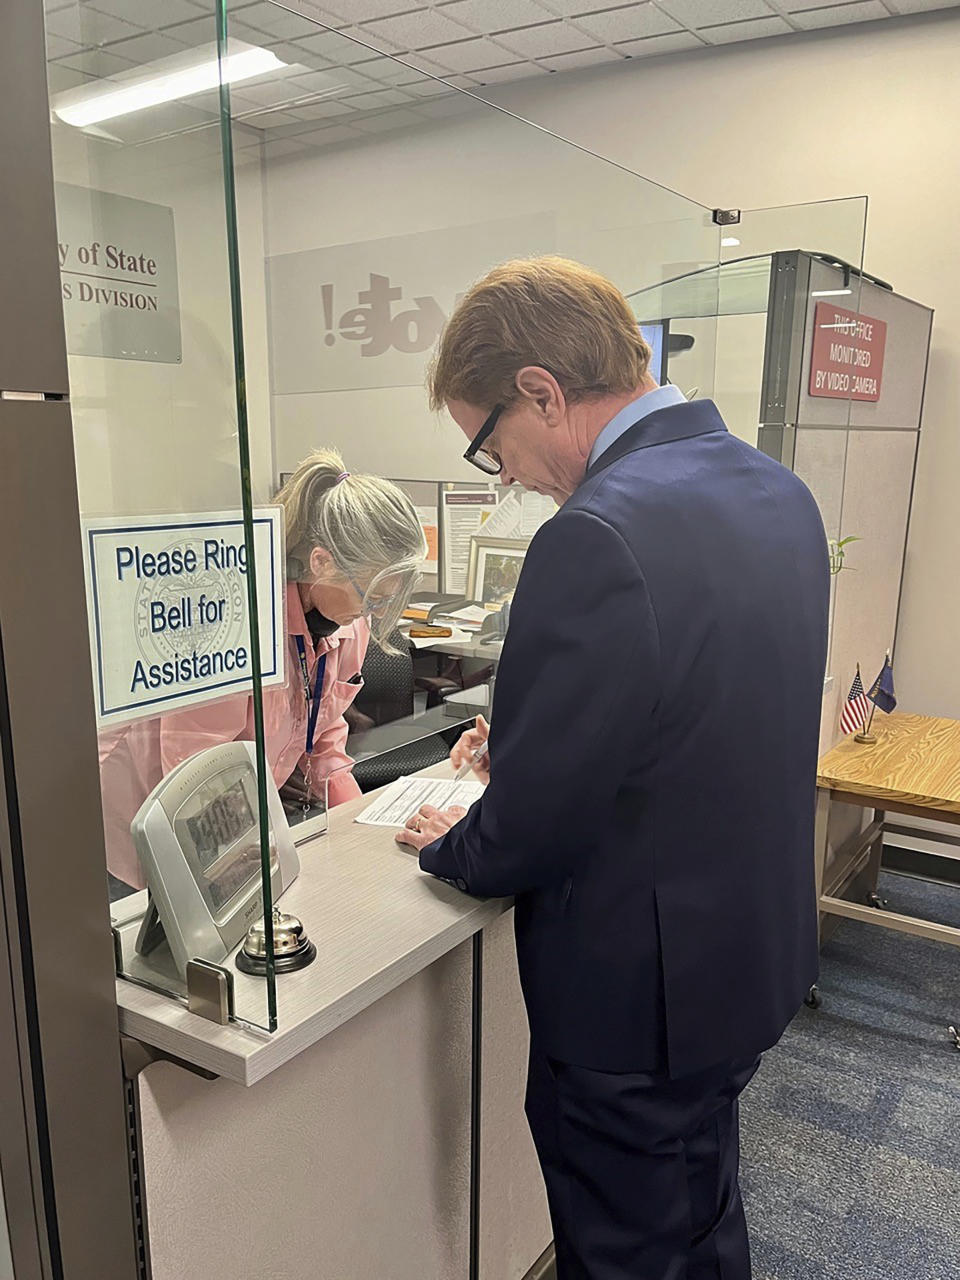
[[320, 625]]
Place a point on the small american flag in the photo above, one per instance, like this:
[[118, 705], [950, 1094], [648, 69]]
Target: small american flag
[[856, 708]]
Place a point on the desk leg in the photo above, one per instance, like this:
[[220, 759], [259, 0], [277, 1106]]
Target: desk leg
[[876, 858], [820, 833]]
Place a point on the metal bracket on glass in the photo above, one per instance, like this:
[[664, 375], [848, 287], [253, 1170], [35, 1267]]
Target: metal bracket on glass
[[210, 991], [9, 394], [726, 217]]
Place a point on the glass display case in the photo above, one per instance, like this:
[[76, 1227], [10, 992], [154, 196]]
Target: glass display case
[[263, 224]]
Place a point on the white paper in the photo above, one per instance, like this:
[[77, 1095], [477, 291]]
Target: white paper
[[505, 521], [535, 510], [470, 618], [463, 514], [403, 798]]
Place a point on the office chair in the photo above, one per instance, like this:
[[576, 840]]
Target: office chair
[[387, 695]]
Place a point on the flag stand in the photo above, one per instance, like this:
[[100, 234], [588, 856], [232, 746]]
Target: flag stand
[[865, 735]]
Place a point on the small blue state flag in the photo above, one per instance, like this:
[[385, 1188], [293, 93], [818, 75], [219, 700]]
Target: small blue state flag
[[881, 692]]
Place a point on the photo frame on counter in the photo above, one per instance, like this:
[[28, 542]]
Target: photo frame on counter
[[494, 568]]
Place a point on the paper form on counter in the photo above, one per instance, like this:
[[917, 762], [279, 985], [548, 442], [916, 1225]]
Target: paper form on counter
[[403, 798]]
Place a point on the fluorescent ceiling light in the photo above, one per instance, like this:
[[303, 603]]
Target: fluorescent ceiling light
[[729, 242], [124, 97], [830, 293]]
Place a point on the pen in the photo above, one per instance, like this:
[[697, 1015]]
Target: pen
[[465, 768]]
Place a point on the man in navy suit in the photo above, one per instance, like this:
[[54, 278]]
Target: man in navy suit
[[652, 764]]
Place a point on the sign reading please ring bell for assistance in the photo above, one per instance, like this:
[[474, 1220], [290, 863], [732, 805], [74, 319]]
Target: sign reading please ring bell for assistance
[[167, 602], [847, 358]]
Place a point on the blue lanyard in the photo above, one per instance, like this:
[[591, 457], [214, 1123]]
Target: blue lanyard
[[313, 703]]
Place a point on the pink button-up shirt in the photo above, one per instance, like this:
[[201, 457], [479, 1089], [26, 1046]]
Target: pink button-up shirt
[[135, 757]]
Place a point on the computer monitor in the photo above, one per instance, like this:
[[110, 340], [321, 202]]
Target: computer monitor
[[656, 334]]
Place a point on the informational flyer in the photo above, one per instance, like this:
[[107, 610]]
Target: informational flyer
[[463, 513]]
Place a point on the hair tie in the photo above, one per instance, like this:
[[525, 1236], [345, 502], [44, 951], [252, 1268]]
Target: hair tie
[[344, 475]]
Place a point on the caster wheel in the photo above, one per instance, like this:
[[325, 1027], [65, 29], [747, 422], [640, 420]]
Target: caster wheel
[[814, 1000], [874, 900]]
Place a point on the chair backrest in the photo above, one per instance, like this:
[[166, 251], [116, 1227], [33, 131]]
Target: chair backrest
[[387, 692]]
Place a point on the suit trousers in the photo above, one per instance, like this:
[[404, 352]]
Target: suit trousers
[[641, 1171]]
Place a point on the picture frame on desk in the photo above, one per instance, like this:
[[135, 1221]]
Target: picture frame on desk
[[494, 569]]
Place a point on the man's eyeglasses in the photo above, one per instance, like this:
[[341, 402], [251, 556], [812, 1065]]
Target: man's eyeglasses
[[487, 460]]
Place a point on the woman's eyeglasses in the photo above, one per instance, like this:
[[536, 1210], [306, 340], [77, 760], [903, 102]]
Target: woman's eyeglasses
[[487, 460]]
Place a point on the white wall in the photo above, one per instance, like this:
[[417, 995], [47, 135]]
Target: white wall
[[870, 109], [153, 437]]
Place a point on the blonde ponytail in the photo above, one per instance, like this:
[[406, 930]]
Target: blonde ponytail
[[368, 526]]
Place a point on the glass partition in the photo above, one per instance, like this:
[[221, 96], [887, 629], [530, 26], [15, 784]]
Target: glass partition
[[793, 358], [385, 194], [177, 561]]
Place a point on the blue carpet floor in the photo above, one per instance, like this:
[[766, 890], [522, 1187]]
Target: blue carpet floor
[[851, 1129]]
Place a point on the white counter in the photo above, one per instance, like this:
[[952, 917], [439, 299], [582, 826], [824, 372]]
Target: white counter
[[376, 920]]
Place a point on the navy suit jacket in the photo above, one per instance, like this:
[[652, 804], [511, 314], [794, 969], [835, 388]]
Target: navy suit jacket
[[653, 755]]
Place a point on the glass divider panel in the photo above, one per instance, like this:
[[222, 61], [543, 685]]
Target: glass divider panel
[[145, 259]]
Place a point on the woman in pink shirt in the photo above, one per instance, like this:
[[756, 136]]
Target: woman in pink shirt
[[354, 548]]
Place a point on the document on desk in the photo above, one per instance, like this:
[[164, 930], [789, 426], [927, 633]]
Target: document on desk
[[403, 798]]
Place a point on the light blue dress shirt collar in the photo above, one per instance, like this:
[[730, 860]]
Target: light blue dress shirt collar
[[631, 414]]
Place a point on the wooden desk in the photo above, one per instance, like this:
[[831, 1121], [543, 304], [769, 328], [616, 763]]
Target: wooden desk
[[912, 768]]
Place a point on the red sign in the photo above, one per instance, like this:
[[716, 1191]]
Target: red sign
[[847, 360]]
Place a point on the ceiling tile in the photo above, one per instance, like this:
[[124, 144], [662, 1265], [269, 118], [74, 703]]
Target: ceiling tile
[[97, 63], [331, 81], [269, 119], [150, 47], [61, 78], [515, 71], [202, 31], [423, 63], [841, 14], [418, 30], [632, 23], [548, 40], [582, 58], [88, 27], [570, 8], [270, 93], [654, 46], [370, 10], [322, 110], [490, 16], [921, 6], [428, 88], [377, 100], [337, 48], [270, 18], [468, 55], [291, 53], [711, 13], [57, 47], [731, 32], [390, 71], [791, 6], [148, 13]]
